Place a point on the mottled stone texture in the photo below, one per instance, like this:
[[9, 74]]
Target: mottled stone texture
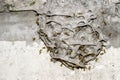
[[18, 26], [2, 5]]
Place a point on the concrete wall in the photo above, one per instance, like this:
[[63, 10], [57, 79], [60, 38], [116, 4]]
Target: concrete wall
[[20, 58]]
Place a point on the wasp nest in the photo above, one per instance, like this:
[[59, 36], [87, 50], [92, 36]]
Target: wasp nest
[[71, 32]]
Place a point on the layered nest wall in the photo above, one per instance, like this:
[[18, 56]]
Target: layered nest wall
[[72, 31], [75, 46]]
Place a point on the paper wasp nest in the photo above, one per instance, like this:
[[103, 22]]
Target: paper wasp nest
[[72, 31]]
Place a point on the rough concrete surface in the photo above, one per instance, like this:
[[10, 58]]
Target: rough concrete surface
[[19, 61], [20, 46]]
